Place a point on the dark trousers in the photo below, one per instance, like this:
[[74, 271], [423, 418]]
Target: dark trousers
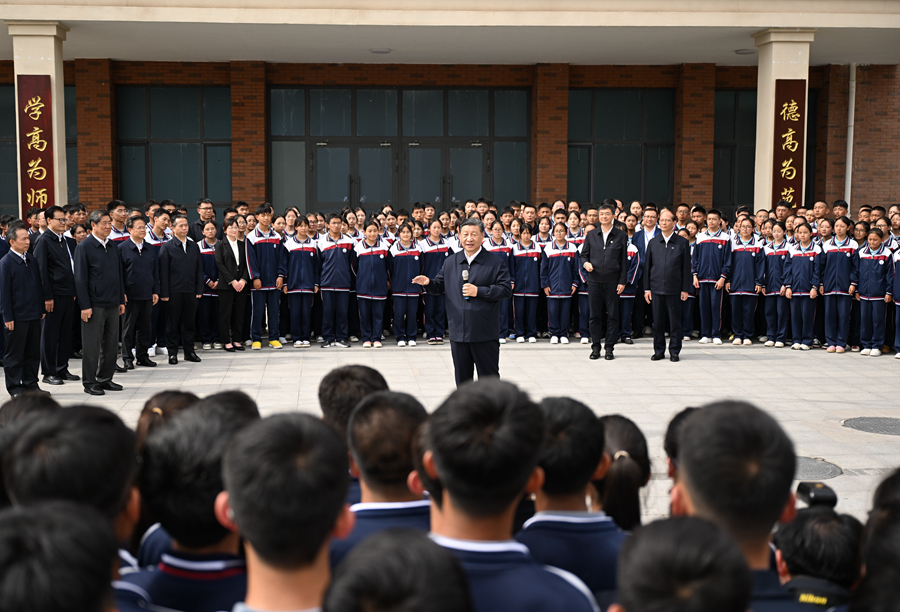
[[56, 336], [353, 315], [136, 329], [284, 319], [435, 316], [710, 311], [778, 310], [667, 317], [260, 302], [158, 320], [837, 320], [854, 323], [604, 301], [504, 318], [334, 314], [526, 316], [231, 315], [896, 329], [819, 330], [467, 356], [743, 309], [208, 318], [871, 323], [180, 325], [542, 314], [627, 306], [584, 314], [687, 316], [100, 337], [371, 319], [22, 356], [405, 317], [558, 316], [803, 318], [300, 306]]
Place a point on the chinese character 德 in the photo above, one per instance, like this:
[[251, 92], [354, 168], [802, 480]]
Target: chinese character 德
[[36, 142], [35, 170], [787, 171], [37, 197], [787, 194], [789, 143], [33, 108], [790, 111]]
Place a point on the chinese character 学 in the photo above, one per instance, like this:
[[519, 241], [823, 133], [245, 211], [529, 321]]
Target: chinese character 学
[[37, 197], [36, 142], [35, 170], [787, 194], [790, 111], [788, 171], [33, 108], [789, 143]]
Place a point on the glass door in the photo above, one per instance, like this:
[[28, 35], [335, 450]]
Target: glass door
[[375, 171], [424, 175]]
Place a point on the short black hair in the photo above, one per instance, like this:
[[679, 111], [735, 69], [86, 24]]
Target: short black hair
[[419, 447], [114, 204], [26, 403], [886, 493], [263, 209], [620, 490], [56, 557], [48, 214], [485, 439], [287, 479], [820, 543], [182, 471], [13, 231], [83, 454], [330, 216], [740, 475], [398, 569], [670, 441], [342, 388], [380, 433], [683, 564], [573, 445], [603, 206]]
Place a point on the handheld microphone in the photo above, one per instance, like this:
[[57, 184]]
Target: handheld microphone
[[465, 277]]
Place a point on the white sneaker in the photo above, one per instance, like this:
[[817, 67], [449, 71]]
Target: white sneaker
[[748, 342], [306, 344], [354, 339], [804, 347], [377, 344], [520, 339], [585, 340], [737, 342], [717, 341], [897, 356], [134, 353], [705, 340], [865, 351], [779, 345], [563, 340], [578, 334], [298, 344], [502, 340], [218, 346], [411, 343], [320, 339], [795, 346], [401, 342], [687, 338], [207, 346], [283, 340], [151, 352], [770, 343], [875, 353], [250, 342], [532, 340], [367, 344], [554, 340], [162, 351], [763, 338]]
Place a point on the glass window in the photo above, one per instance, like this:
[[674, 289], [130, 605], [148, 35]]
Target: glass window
[[659, 114], [658, 173], [580, 115], [329, 112], [71, 113], [746, 119], [723, 174], [376, 112], [617, 172], [9, 181], [175, 171], [510, 172], [510, 113], [131, 112], [375, 176], [174, 112], [289, 174], [579, 177], [425, 174], [466, 173], [72, 172], [288, 112], [468, 112], [133, 173], [617, 114], [217, 113], [218, 173], [724, 126], [423, 113], [734, 164], [333, 174]]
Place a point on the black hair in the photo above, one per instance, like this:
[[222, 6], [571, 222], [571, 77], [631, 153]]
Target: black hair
[[573, 445], [880, 209], [176, 218], [419, 447], [881, 538], [48, 214], [56, 557], [114, 204], [783, 203], [400, 570], [820, 543], [716, 212], [229, 221], [683, 564], [527, 228], [876, 231], [370, 222], [629, 471], [380, 432], [562, 225], [287, 482], [738, 465], [485, 439], [160, 212], [333, 215], [886, 493], [210, 222], [603, 206], [670, 441], [263, 209], [418, 206], [130, 221], [342, 388], [682, 205], [34, 210], [26, 403], [878, 591]]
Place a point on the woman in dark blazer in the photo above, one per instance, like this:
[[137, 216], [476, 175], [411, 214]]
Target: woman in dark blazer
[[233, 285]]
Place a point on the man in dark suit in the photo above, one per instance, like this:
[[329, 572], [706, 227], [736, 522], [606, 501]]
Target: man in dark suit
[[473, 305], [668, 273], [648, 230], [54, 253], [604, 256], [207, 213], [140, 270], [181, 285], [22, 308], [101, 295]]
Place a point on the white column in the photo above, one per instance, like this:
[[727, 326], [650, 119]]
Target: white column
[[37, 49], [783, 54]]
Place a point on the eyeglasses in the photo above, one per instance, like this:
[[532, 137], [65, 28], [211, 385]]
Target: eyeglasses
[[62, 219]]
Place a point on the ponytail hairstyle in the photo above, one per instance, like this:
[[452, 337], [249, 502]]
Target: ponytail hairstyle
[[158, 410], [629, 471]]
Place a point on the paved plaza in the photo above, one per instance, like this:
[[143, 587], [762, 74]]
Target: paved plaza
[[810, 393]]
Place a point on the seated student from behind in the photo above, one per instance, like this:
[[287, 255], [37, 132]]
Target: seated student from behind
[[285, 490], [670, 441], [564, 532], [380, 433], [180, 481], [483, 445]]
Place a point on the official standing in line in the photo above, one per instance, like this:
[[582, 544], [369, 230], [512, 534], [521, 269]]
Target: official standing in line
[[207, 213], [668, 273], [474, 282], [101, 295], [54, 253], [604, 256], [22, 308], [141, 275], [181, 285], [231, 260]]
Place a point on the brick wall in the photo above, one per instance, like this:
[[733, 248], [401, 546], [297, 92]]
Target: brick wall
[[400, 75], [695, 118], [549, 132], [97, 156], [831, 126], [196, 74], [876, 157], [248, 132], [624, 76]]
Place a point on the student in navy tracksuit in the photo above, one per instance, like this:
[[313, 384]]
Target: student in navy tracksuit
[[525, 271], [837, 280], [299, 267], [627, 297], [560, 264], [263, 255], [687, 306], [497, 244], [337, 263], [140, 273], [801, 278], [406, 264], [435, 250], [208, 310], [895, 266], [777, 305], [373, 264], [157, 236], [744, 279], [875, 273], [711, 252]]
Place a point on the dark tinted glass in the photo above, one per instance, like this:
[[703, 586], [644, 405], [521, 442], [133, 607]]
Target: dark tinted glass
[[510, 171], [288, 112], [423, 113], [175, 171], [175, 113], [580, 114], [510, 113], [133, 173], [579, 178], [218, 173], [329, 112], [131, 112], [468, 112], [217, 113], [376, 112]]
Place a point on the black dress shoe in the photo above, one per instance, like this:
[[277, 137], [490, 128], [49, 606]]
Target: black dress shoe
[[129, 365], [69, 376], [609, 356], [239, 347], [657, 357], [94, 390], [145, 361], [173, 359], [674, 358], [75, 355], [192, 357], [111, 386], [52, 380], [595, 354], [230, 349], [628, 341], [120, 369]]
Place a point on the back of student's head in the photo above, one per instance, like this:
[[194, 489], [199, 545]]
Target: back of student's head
[[820, 543], [737, 464], [683, 564], [881, 539], [342, 389], [233, 402], [888, 491], [287, 480], [419, 448], [485, 439], [56, 557], [182, 471], [380, 432], [82, 454], [878, 592], [670, 441], [629, 471], [159, 409], [398, 570], [573, 445], [26, 403]]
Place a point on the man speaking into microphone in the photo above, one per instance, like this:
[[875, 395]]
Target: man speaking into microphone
[[474, 281]]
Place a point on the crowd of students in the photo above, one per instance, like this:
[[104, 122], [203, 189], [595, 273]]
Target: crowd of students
[[492, 502]]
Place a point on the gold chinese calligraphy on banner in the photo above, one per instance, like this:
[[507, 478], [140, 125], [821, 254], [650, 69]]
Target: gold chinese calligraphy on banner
[[790, 137], [35, 141]]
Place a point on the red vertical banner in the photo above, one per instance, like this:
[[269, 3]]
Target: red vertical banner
[[35, 141], [790, 141]]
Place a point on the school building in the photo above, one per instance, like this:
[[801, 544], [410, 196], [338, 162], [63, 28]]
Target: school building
[[363, 102]]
